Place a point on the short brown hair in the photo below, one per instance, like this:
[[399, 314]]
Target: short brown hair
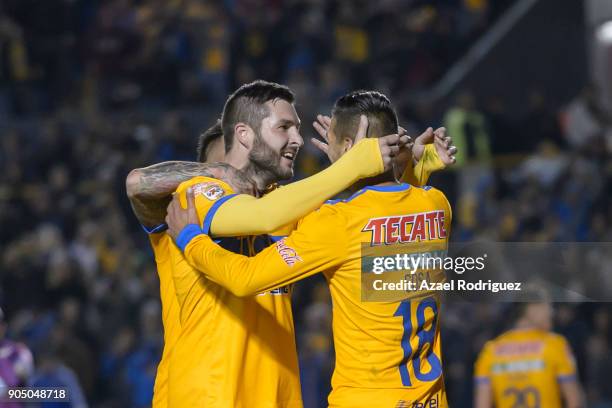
[[376, 106], [246, 105], [210, 135]]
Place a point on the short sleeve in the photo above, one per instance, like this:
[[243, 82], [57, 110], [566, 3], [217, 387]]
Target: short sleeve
[[563, 359]]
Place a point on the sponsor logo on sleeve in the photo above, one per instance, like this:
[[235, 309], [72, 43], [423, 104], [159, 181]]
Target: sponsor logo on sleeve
[[289, 255]]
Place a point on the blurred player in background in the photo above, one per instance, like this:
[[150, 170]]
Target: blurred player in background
[[16, 363], [387, 353], [266, 142], [528, 366]]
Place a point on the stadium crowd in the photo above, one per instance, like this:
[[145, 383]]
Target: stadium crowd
[[91, 89]]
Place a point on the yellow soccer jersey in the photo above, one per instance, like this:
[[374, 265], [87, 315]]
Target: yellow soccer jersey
[[166, 257], [387, 353], [233, 352], [524, 368]]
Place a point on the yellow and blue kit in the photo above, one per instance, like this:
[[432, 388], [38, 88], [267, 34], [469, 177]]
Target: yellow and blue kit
[[245, 215], [387, 353], [229, 344], [166, 258], [258, 216], [524, 368]]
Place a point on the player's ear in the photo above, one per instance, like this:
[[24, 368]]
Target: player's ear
[[244, 135], [348, 143]]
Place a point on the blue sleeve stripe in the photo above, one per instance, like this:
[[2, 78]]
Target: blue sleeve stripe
[[482, 380], [211, 213], [186, 235], [566, 378], [156, 229], [276, 238]]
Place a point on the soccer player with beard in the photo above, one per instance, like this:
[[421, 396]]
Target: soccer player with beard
[[187, 303], [387, 353]]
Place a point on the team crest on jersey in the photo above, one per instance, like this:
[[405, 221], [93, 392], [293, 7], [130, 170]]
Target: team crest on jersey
[[212, 191], [289, 255]]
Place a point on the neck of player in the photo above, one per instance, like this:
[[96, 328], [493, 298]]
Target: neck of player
[[385, 179], [262, 178]]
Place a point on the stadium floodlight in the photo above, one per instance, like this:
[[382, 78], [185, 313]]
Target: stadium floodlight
[[604, 32]]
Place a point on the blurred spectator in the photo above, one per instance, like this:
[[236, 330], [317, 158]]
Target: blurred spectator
[[544, 167], [599, 358], [585, 120], [540, 123], [16, 363], [469, 130], [50, 372]]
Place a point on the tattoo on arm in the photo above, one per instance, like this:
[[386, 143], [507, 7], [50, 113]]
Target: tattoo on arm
[[150, 188]]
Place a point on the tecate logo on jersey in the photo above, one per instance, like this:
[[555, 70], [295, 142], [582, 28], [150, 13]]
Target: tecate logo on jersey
[[406, 228]]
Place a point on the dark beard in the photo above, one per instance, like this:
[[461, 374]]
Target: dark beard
[[266, 162]]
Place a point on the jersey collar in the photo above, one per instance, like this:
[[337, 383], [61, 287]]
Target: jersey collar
[[384, 189], [391, 188]]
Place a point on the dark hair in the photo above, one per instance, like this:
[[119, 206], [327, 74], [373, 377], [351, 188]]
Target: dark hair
[[530, 294], [382, 119], [246, 105], [210, 135]]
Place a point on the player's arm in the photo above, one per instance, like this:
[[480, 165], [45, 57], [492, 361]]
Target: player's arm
[[483, 395], [247, 215], [483, 392], [149, 189], [433, 151], [565, 368], [316, 245], [571, 393]]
